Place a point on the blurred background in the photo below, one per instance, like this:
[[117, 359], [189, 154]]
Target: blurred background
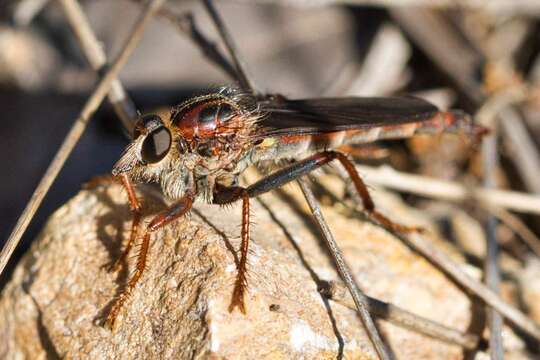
[[480, 57]]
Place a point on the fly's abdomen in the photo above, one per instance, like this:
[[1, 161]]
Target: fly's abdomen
[[299, 146]]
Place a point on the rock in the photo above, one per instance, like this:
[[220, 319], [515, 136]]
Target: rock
[[60, 293]]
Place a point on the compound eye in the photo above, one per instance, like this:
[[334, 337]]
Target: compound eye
[[148, 122], [156, 145], [221, 112]]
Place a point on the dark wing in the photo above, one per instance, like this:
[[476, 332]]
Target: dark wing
[[314, 116]]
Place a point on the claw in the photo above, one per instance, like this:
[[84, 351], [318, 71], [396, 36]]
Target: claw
[[380, 218], [237, 303], [237, 300], [110, 322]]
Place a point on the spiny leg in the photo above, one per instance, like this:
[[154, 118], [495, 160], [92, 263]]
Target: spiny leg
[[313, 162], [226, 196], [160, 220], [135, 208], [367, 202]]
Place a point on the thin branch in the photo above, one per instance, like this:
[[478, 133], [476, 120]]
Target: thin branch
[[241, 73], [384, 66], [524, 7], [417, 242], [77, 130], [123, 106], [448, 190], [522, 145], [517, 226], [491, 267], [26, 10], [345, 272], [401, 317], [187, 25], [444, 263]]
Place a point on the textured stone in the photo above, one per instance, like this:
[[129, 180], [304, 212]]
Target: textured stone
[[61, 291]]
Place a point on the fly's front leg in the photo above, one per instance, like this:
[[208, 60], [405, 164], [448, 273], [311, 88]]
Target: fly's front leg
[[135, 207], [164, 218]]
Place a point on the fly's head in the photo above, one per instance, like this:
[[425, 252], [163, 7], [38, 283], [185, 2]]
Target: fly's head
[[202, 138], [154, 154]]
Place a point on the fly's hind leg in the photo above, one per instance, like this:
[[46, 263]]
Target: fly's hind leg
[[160, 220], [227, 195], [315, 161], [367, 202]]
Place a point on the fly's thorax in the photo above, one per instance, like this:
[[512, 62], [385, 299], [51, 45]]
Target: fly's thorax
[[216, 129]]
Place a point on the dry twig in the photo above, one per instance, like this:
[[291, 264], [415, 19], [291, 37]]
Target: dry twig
[[26, 10], [359, 298], [448, 190], [444, 263], [401, 317], [241, 73], [524, 7], [491, 267], [517, 226], [123, 106], [76, 131]]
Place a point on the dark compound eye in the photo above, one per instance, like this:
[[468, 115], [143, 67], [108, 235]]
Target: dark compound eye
[[156, 145], [222, 112], [148, 122]]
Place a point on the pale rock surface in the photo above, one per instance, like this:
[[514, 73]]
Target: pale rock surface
[[61, 291]]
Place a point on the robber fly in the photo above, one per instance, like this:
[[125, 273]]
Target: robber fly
[[198, 151]]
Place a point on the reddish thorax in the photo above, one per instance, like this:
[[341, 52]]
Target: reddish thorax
[[190, 126]]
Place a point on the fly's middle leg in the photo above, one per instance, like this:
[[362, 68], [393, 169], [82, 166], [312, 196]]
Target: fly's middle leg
[[226, 196]]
